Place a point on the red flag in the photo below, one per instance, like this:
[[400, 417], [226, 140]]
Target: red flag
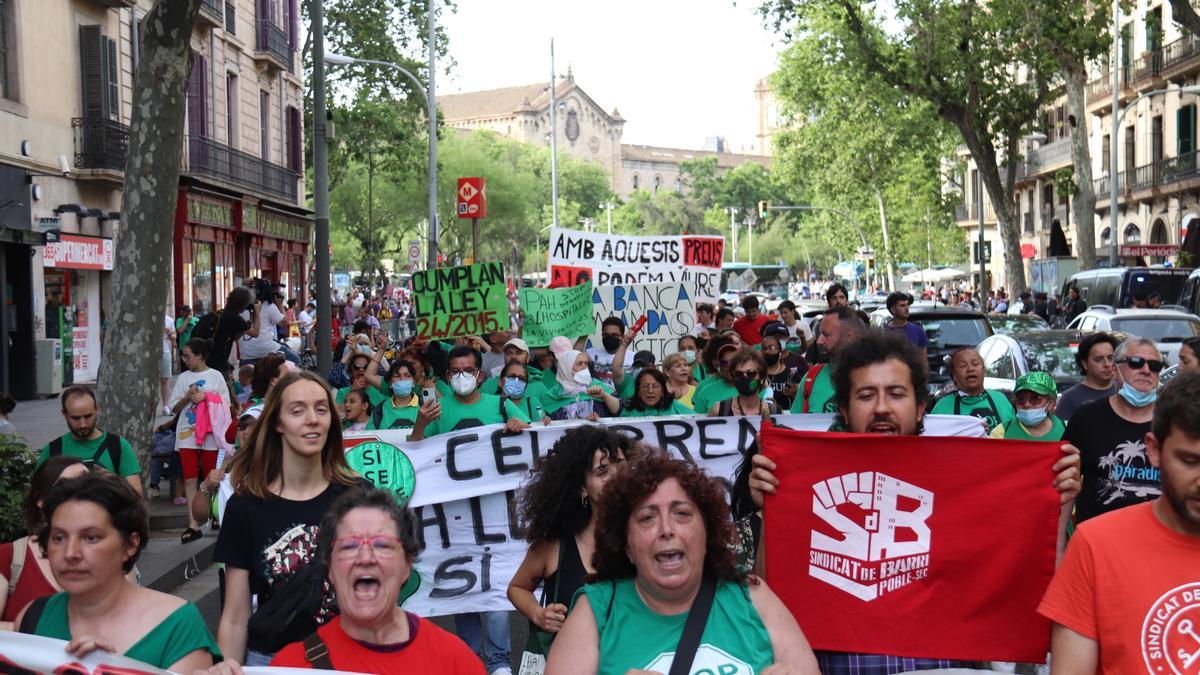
[[913, 546]]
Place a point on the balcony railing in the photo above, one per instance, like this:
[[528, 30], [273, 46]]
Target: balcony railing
[[1045, 157], [213, 11], [210, 158], [1179, 168], [1178, 51], [100, 143], [1154, 175], [1101, 185], [970, 213], [273, 41]]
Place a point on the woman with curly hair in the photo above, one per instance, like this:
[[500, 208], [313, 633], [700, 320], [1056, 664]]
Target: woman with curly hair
[[558, 511], [652, 398], [662, 545]]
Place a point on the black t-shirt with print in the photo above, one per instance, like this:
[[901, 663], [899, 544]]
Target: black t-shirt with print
[[272, 539], [1116, 469]]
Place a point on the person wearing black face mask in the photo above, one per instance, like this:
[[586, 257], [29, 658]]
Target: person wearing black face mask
[[748, 369], [781, 374], [611, 331]]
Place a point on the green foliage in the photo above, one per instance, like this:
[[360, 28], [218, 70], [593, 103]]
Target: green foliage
[[16, 470]]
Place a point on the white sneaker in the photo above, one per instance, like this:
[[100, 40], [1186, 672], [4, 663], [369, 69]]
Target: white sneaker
[[502, 670], [167, 410]]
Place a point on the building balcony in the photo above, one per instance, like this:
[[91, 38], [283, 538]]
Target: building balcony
[[968, 214], [117, 4], [1149, 178], [206, 157], [1049, 157], [212, 12], [271, 46], [101, 146]]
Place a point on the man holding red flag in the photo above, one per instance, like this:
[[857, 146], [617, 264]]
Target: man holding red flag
[[879, 384], [1127, 596]]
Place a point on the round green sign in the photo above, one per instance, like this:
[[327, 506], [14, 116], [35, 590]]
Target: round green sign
[[385, 466]]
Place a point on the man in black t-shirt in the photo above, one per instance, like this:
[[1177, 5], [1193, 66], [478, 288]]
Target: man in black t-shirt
[[1095, 360], [1110, 434], [230, 327]]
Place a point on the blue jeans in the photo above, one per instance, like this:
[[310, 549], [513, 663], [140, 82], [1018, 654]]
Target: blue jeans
[[494, 652]]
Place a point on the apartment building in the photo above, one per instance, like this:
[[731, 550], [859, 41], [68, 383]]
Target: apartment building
[[67, 74], [1158, 184]]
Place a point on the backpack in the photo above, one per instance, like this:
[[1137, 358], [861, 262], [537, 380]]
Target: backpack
[[18, 562], [809, 378], [206, 327], [111, 444]]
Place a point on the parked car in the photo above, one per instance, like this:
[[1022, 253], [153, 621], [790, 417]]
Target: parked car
[[1007, 324], [948, 329], [1009, 356], [1167, 326], [1116, 286]]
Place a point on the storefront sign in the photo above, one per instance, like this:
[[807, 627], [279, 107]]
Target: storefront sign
[[78, 252], [79, 352], [1149, 251], [209, 212]]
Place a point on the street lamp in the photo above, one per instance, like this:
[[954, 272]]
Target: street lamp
[[430, 112], [1113, 258]]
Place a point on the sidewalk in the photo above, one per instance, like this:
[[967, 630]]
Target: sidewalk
[[40, 421]]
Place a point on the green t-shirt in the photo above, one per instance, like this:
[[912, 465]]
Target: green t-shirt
[[388, 415], [990, 406], [1014, 430], [676, 408], [184, 331], [457, 415], [632, 636], [180, 634], [86, 450], [554, 399], [716, 391], [375, 396], [820, 399], [530, 405]]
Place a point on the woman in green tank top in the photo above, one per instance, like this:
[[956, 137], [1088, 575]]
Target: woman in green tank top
[[662, 531], [95, 526]]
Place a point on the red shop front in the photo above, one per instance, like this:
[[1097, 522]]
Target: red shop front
[[220, 242]]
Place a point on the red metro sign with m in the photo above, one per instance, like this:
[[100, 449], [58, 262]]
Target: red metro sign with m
[[472, 202]]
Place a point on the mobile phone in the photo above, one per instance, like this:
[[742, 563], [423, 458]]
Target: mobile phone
[[428, 394]]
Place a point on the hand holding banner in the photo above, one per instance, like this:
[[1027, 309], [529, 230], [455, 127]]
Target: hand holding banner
[[913, 546], [550, 312], [460, 301]]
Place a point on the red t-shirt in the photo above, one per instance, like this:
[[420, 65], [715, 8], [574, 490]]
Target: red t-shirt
[[31, 586], [750, 329], [430, 650], [1133, 585]]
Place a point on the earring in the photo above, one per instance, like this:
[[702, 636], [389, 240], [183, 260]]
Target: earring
[[583, 501]]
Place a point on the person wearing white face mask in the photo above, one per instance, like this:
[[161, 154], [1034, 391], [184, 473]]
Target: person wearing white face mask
[[576, 394], [1110, 434], [467, 407], [1035, 392]]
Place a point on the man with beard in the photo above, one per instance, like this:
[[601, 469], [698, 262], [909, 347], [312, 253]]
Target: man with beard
[[1124, 598], [880, 383], [993, 407], [95, 447], [840, 328], [1110, 434], [1094, 357]]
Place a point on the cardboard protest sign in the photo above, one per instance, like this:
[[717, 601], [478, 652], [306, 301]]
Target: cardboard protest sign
[[882, 531], [549, 312], [465, 484], [385, 465], [669, 309], [622, 259], [460, 301]]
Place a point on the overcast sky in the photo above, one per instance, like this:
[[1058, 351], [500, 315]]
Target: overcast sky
[[678, 70]]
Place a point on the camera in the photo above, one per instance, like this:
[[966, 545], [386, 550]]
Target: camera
[[264, 291]]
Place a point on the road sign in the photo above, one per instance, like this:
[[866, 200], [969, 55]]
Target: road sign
[[472, 202], [414, 251]]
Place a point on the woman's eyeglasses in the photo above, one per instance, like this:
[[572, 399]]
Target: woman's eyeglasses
[[382, 545]]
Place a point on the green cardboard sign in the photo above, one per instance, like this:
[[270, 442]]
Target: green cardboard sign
[[385, 466], [461, 301], [550, 312]]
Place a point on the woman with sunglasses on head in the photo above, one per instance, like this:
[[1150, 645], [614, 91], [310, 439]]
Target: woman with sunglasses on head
[[652, 398], [358, 365], [514, 386], [284, 481], [748, 370], [558, 510]]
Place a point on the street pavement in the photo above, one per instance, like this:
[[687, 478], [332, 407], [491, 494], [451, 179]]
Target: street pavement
[[38, 421]]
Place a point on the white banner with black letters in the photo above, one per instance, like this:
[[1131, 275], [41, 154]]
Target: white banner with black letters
[[463, 487]]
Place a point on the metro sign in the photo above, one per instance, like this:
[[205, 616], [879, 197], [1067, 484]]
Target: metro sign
[[472, 201]]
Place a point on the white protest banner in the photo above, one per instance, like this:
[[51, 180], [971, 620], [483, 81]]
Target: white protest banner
[[465, 491], [622, 259], [669, 309], [23, 653]]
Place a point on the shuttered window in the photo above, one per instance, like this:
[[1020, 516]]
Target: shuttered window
[[264, 117], [295, 148], [101, 94], [197, 94]]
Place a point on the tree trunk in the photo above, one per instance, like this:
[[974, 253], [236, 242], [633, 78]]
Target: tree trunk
[[129, 391], [1002, 203], [887, 246], [1084, 206]]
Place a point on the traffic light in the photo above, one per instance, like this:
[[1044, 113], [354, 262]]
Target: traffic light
[[762, 210]]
